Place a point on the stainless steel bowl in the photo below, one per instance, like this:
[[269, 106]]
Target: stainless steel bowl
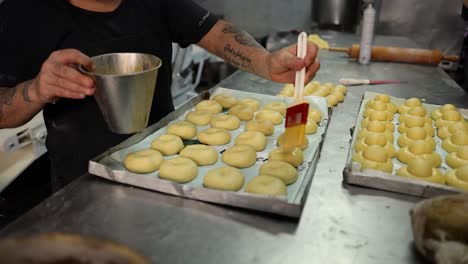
[[125, 85]]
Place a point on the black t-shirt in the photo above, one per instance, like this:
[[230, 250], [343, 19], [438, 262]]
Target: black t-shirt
[[30, 30]]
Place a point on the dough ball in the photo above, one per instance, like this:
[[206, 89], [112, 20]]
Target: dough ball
[[376, 139], [375, 153], [294, 157], [240, 156], [376, 106], [280, 141], [143, 161], [210, 106], [376, 127], [384, 98], [199, 118], [322, 91], [421, 169], [341, 88], [447, 131], [415, 111], [202, 155], [414, 121], [252, 103], [338, 95], [279, 169], [412, 102], [458, 158], [436, 114], [380, 116], [226, 101], [329, 85], [287, 91], [183, 129], [413, 134], [448, 118], [225, 178], [419, 149], [458, 178], [243, 112], [228, 122], [374, 157], [314, 114], [311, 127], [167, 144], [275, 117], [214, 136], [310, 88], [266, 185], [180, 170], [263, 126], [332, 100], [255, 139], [455, 141], [279, 107]]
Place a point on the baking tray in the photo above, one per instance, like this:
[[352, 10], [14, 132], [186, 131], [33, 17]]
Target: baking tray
[[109, 164], [389, 181]]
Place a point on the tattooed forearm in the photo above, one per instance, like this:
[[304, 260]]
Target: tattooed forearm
[[6, 97], [25, 91], [241, 36], [237, 58]]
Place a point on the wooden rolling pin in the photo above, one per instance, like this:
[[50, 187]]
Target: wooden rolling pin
[[416, 56]]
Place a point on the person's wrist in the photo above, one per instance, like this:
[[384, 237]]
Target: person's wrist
[[31, 92], [266, 69]]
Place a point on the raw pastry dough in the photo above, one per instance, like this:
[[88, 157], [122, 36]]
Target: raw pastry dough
[[385, 99], [415, 133], [180, 170], [309, 89], [436, 114], [167, 144], [255, 139], [340, 96], [304, 146], [226, 101], [421, 169], [447, 131], [311, 127], [264, 126], [210, 106], [322, 91], [415, 111], [228, 122], [315, 115], [329, 85], [376, 139], [419, 149], [374, 157], [143, 161], [243, 112], [279, 107], [279, 169], [341, 88], [416, 121], [458, 158], [240, 156], [287, 91], [455, 141], [332, 100], [183, 129], [412, 102], [275, 117], [224, 178], [294, 157], [252, 103], [266, 185], [199, 118], [202, 154], [214, 136], [380, 117], [458, 178], [449, 118], [376, 127]]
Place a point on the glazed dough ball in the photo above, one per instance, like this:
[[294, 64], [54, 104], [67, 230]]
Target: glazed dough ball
[[413, 134], [314, 114], [210, 106], [455, 141], [421, 169], [243, 112], [304, 146], [311, 127], [375, 139], [202, 155], [240, 156], [167, 144], [252, 103], [436, 114], [447, 131], [266, 185], [294, 157], [332, 100], [180, 170], [255, 139], [228, 122], [279, 169], [374, 157], [287, 91], [279, 107], [376, 127], [225, 178], [412, 102], [458, 158], [226, 101], [416, 121], [214, 136], [143, 161], [183, 129], [310, 88], [338, 95], [199, 118], [419, 149], [322, 91], [263, 126], [458, 178], [275, 117], [341, 88], [448, 118]]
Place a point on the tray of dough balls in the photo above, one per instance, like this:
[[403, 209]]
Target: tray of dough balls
[[409, 146], [222, 147]]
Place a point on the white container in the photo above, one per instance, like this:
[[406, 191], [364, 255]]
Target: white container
[[367, 35]]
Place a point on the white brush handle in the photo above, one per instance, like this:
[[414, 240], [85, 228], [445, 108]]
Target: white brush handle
[[300, 75], [349, 81]]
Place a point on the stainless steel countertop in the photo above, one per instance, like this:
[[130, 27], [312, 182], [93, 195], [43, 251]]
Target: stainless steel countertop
[[339, 224]]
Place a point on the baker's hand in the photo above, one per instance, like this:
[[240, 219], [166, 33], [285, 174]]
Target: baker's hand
[[59, 77], [283, 64]]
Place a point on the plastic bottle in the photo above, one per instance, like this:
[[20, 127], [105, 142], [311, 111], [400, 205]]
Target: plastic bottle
[[367, 35]]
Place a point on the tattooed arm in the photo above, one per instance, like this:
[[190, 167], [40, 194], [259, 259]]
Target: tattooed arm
[[241, 50]]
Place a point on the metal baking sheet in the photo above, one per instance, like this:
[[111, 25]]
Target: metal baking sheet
[[390, 181], [109, 164]]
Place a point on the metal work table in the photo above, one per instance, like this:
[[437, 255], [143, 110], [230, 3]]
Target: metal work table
[[339, 224]]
